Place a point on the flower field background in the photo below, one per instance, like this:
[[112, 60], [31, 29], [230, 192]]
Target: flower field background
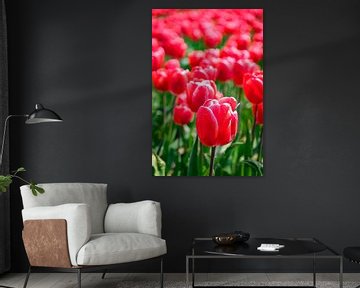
[[207, 92]]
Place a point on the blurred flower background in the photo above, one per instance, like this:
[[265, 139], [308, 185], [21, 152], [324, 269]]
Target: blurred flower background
[[207, 94]]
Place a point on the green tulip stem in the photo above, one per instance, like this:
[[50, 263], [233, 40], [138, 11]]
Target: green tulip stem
[[164, 107], [261, 143], [213, 150], [179, 137], [254, 124], [239, 109]]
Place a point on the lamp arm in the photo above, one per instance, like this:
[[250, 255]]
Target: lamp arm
[[4, 134]]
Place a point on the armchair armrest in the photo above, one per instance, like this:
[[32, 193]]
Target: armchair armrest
[[77, 217], [138, 217]]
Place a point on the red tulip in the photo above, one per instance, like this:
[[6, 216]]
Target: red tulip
[[253, 87], [203, 73], [241, 67], [160, 79], [181, 99], [219, 95], [158, 56], [225, 69], [154, 43], [258, 26], [195, 58], [191, 30], [216, 122], [232, 51], [177, 80], [256, 51], [243, 41], [259, 110], [211, 57], [172, 64], [258, 37], [182, 115], [212, 38], [198, 92], [175, 47], [212, 53]]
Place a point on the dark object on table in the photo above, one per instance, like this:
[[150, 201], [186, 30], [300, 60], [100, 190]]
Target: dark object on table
[[242, 236], [231, 238], [225, 239], [230, 249], [353, 254]]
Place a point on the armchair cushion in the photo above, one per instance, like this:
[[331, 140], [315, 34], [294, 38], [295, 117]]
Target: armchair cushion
[[92, 194], [113, 248], [78, 221], [139, 217]]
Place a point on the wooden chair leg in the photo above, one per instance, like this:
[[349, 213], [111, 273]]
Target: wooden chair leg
[[27, 277], [79, 277]]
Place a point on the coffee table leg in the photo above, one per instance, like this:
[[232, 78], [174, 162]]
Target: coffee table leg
[[341, 273], [193, 272], [187, 272], [314, 271]]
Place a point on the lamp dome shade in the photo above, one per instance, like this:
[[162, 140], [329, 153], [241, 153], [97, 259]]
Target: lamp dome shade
[[42, 115]]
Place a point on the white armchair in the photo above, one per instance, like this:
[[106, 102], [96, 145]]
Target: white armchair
[[72, 228]]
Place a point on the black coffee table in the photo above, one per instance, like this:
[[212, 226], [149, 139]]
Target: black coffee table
[[295, 248]]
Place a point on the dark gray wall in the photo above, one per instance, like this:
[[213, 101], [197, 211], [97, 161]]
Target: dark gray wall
[[90, 61]]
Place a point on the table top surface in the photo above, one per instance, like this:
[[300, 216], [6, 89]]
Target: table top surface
[[292, 247]]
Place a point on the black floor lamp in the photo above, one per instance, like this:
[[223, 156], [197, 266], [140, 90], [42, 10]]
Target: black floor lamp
[[39, 115]]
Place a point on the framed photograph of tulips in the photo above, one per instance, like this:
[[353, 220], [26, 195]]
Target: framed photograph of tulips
[[207, 92]]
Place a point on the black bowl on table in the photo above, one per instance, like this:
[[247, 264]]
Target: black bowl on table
[[231, 238]]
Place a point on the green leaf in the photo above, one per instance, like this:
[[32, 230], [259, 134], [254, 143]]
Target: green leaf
[[39, 189], [5, 182], [36, 189], [194, 159], [158, 165], [20, 169], [255, 165]]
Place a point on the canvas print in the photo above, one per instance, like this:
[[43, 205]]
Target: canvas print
[[207, 92]]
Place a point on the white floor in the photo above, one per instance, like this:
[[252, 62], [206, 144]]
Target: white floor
[[116, 280]]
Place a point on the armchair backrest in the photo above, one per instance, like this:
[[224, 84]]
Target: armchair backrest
[[55, 194]]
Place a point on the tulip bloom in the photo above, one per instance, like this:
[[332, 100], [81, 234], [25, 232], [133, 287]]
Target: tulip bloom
[[212, 38], [182, 115], [243, 41], [158, 56], [172, 64], [241, 67], [225, 69], [259, 111], [203, 73], [160, 79], [175, 47], [178, 80], [181, 99], [253, 87], [198, 92], [232, 51], [195, 58], [154, 43], [217, 122], [256, 51]]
